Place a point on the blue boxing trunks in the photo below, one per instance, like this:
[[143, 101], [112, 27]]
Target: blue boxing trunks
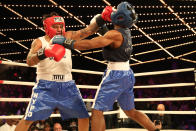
[[48, 95], [117, 84]]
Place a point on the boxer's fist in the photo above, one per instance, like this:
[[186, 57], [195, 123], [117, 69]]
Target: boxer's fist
[[106, 14], [100, 19], [58, 39], [61, 40], [56, 51]]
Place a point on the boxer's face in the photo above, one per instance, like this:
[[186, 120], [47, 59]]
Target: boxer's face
[[58, 28]]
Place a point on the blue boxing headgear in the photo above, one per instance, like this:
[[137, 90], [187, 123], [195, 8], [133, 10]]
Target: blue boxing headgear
[[124, 16]]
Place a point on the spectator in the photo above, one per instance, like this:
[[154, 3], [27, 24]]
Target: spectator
[[89, 104], [46, 127], [34, 129], [1, 122], [57, 127], [40, 124], [73, 126], [162, 121]]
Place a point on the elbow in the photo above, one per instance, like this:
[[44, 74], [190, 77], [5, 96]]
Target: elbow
[[29, 63]]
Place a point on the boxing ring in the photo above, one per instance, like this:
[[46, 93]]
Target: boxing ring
[[119, 111]]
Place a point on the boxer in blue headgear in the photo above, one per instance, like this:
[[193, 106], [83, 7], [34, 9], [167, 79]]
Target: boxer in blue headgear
[[124, 16], [118, 80]]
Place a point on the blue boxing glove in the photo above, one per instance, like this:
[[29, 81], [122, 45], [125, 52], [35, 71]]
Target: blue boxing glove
[[58, 39], [61, 40]]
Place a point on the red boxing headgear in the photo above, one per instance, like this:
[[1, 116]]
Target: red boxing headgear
[[48, 22]]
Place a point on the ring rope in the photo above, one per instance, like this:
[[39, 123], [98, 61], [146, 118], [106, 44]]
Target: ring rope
[[55, 115], [95, 87], [100, 73], [166, 85], [92, 100], [113, 112], [164, 72], [169, 112]]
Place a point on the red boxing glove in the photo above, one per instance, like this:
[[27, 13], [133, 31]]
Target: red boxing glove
[[57, 51], [106, 14]]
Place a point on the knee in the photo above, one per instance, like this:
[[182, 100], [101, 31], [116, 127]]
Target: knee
[[83, 119], [97, 113]]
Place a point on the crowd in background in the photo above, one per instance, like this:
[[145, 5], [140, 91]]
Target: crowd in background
[[112, 121]]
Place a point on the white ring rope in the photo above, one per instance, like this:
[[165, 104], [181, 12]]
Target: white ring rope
[[101, 73], [95, 87], [166, 85], [92, 100], [54, 115], [113, 112], [169, 112]]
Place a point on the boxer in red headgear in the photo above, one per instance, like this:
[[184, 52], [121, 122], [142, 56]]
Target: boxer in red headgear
[[54, 87], [49, 22]]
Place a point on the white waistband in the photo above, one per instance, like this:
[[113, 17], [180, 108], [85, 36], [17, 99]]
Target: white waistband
[[118, 65], [55, 77]]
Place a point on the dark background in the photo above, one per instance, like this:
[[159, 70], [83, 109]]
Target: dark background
[[153, 18], [16, 35]]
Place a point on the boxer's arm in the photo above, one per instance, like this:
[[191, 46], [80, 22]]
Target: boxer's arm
[[112, 38], [32, 58], [96, 22], [83, 33]]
